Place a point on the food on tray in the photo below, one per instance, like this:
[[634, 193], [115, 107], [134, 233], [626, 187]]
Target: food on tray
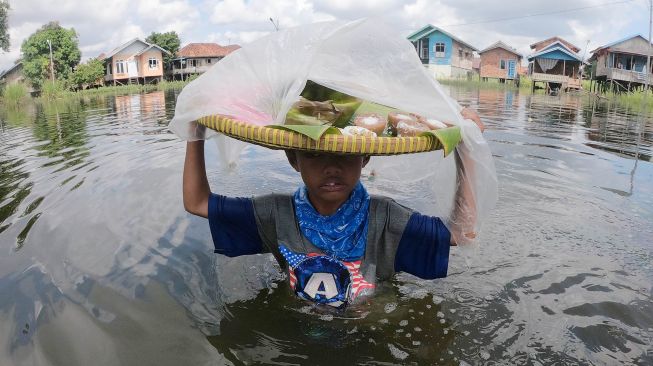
[[407, 128], [372, 122], [358, 131]]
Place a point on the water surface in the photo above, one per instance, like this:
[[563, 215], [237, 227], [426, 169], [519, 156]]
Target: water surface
[[99, 264]]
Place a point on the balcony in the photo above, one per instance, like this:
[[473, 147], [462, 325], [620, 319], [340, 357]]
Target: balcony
[[628, 75], [191, 70]]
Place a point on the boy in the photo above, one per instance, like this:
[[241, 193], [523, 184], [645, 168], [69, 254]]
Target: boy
[[332, 237]]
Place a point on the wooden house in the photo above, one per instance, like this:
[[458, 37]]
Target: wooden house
[[444, 55], [134, 62], [621, 65], [555, 63], [499, 61], [196, 58], [14, 75]]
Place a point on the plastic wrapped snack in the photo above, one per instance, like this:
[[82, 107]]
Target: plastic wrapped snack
[[261, 84]]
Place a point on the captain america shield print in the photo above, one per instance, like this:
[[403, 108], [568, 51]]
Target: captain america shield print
[[323, 279]]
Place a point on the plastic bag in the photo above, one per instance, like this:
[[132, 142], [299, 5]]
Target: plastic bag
[[260, 82]]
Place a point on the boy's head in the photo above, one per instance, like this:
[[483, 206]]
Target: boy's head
[[329, 178]]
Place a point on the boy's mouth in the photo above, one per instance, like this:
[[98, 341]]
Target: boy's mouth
[[332, 186]]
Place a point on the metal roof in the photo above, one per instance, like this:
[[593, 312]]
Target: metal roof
[[436, 29], [500, 44]]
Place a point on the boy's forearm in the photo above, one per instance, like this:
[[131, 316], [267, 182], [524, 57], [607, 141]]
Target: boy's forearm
[[463, 217], [195, 184]]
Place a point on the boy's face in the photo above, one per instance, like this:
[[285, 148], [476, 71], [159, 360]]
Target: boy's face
[[329, 178]]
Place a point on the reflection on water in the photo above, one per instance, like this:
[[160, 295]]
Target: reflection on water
[[100, 265]]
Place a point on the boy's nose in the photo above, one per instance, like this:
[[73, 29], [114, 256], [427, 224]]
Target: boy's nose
[[332, 164]]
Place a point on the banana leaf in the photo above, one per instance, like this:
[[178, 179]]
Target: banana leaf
[[312, 132], [448, 138]]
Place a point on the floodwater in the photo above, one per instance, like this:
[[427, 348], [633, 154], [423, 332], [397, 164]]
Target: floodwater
[[100, 264]]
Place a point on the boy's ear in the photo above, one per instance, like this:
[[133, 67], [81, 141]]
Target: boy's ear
[[291, 155]]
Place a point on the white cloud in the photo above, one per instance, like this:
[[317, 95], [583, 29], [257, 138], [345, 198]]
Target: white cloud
[[103, 25], [175, 15], [257, 13]]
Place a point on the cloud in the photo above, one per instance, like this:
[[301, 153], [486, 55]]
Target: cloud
[[103, 25], [257, 13]]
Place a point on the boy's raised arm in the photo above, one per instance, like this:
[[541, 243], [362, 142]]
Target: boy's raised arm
[[195, 186], [463, 217]]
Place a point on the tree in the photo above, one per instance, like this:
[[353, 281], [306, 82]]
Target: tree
[[87, 73], [169, 41], [36, 53], [4, 25]]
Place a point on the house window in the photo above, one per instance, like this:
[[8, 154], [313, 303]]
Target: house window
[[438, 48], [208, 60], [154, 63], [194, 63], [120, 67], [502, 64], [109, 69], [460, 53]]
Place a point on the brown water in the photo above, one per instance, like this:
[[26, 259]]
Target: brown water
[[100, 265]]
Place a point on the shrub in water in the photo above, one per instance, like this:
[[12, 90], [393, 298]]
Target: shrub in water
[[15, 93]]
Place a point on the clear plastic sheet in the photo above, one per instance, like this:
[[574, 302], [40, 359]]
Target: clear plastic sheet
[[366, 59]]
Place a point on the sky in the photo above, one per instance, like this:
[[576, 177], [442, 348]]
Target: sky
[[102, 25]]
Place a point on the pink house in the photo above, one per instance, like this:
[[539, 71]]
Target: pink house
[[134, 62]]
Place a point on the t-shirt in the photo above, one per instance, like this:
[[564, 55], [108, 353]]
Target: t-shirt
[[398, 239]]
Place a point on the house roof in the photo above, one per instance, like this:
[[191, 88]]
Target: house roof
[[500, 44], [552, 49], [618, 42], [129, 43], [556, 39], [429, 28], [16, 65], [151, 47], [206, 50]]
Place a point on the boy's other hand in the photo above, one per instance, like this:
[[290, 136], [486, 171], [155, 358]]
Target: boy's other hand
[[471, 114]]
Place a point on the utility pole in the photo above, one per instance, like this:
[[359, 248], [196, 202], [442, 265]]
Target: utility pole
[[52, 62], [276, 25], [648, 58]]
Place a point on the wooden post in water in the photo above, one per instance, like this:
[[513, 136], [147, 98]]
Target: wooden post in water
[[648, 56]]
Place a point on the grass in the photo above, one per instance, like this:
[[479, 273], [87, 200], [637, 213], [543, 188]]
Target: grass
[[134, 88], [14, 94], [52, 90], [524, 83]]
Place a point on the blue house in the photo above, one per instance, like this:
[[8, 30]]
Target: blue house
[[555, 63], [443, 54]]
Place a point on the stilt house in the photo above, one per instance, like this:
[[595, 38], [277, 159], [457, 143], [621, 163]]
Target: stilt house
[[621, 65], [134, 62], [196, 58], [499, 61], [444, 55], [555, 63]]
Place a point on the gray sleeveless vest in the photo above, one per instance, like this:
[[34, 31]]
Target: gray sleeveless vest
[[275, 219]]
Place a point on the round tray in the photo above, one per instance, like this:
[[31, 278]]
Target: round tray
[[276, 138]]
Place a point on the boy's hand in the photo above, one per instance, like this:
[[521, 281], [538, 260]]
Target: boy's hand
[[471, 114]]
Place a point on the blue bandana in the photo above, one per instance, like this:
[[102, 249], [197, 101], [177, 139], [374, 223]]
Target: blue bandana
[[342, 235]]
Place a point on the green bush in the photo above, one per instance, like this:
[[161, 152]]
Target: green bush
[[15, 93], [52, 90]]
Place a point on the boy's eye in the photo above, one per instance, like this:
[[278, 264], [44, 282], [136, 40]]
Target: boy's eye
[[313, 155]]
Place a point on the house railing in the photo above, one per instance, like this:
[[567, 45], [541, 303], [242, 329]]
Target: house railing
[[627, 75], [551, 78], [190, 70]]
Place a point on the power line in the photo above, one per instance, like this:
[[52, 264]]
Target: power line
[[539, 14]]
